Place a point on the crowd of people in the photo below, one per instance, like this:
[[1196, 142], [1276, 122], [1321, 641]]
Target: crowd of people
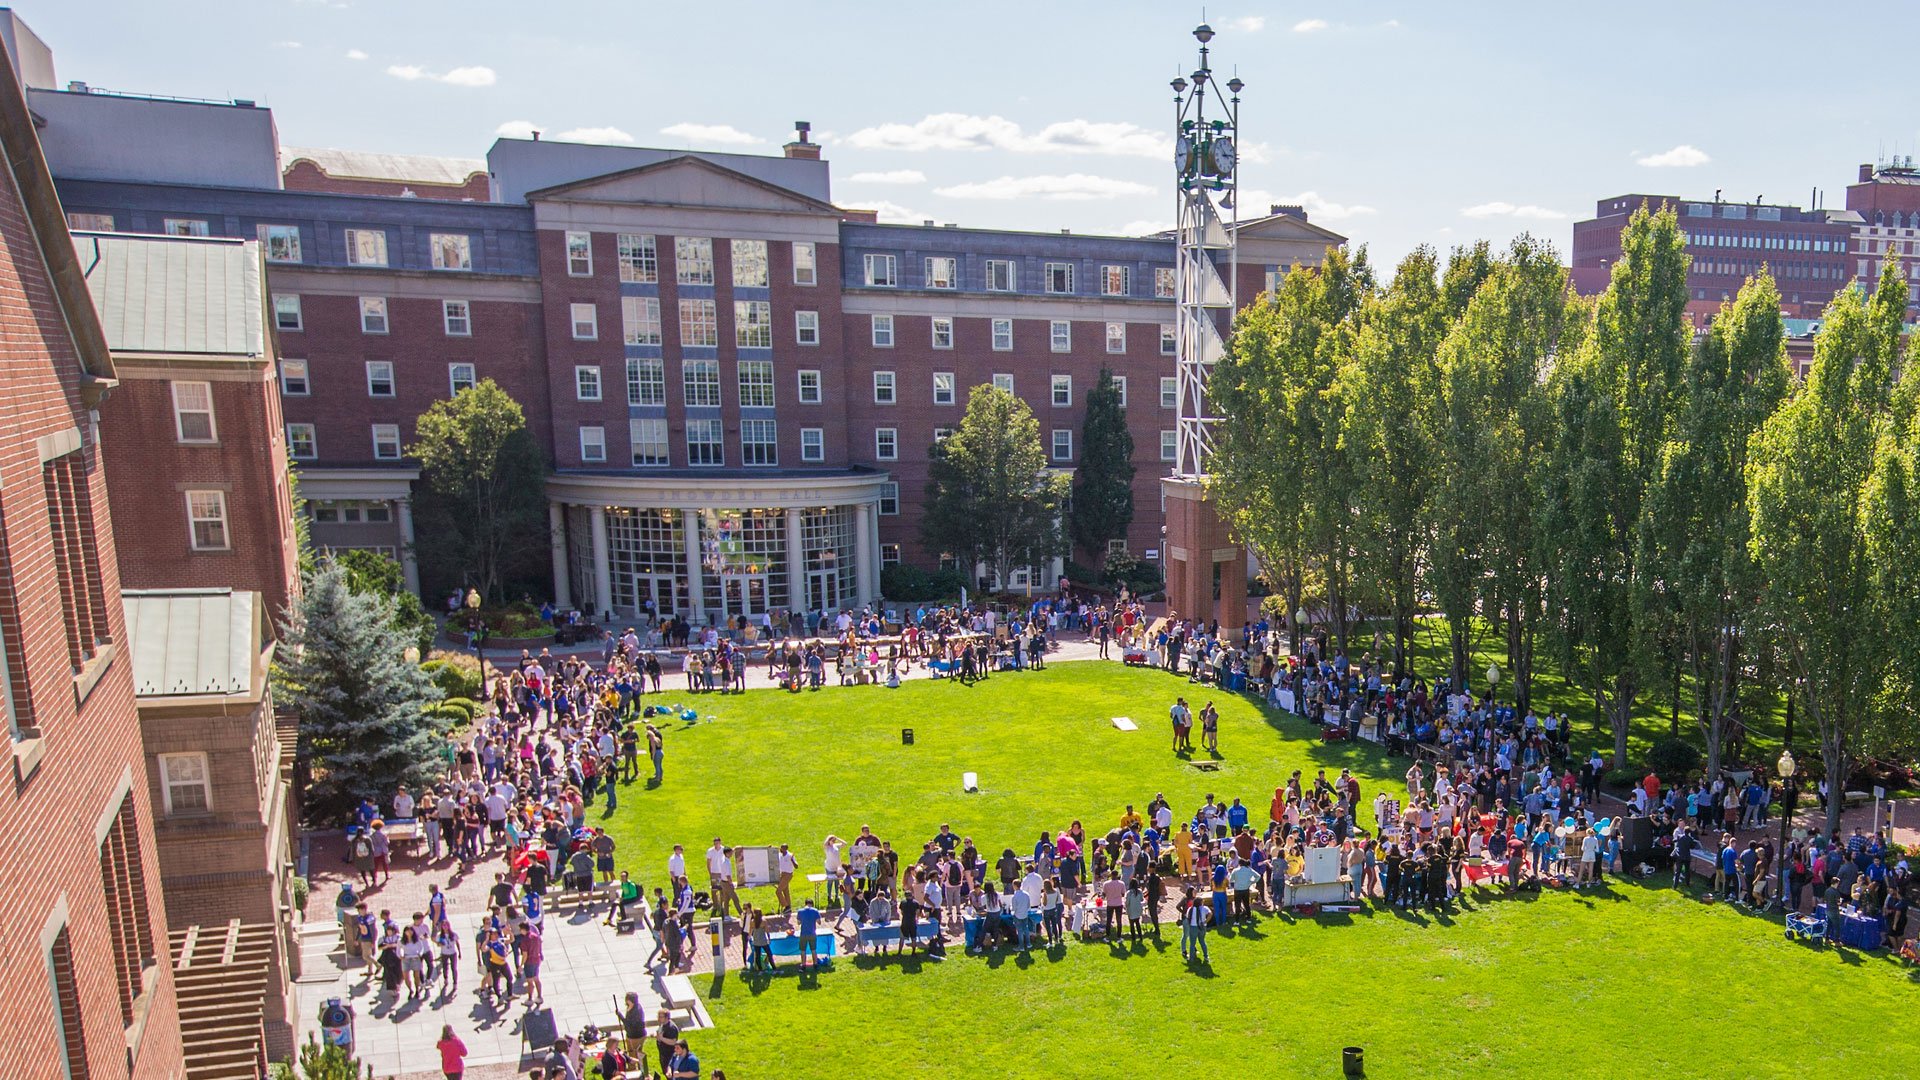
[[1493, 796]]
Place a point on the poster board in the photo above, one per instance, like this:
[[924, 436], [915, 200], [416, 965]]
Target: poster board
[[758, 865], [1322, 865], [1286, 700]]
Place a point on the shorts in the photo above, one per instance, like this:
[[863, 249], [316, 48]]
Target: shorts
[[530, 969], [807, 941], [604, 864]]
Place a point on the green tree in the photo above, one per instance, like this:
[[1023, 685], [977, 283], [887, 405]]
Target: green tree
[[481, 508], [1388, 390], [1617, 396], [1893, 551], [376, 574], [1814, 491], [990, 497], [363, 726], [1103, 498], [1697, 579]]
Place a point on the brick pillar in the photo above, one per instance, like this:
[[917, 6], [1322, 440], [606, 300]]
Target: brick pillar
[[1200, 551]]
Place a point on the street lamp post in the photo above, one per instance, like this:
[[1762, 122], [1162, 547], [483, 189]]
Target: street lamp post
[[1787, 767]]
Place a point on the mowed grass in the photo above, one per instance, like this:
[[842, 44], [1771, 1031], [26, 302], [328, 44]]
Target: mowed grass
[[1633, 980]]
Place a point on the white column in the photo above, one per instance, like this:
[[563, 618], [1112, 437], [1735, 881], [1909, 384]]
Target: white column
[[796, 561], [409, 565], [696, 580], [602, 562], [557, 540], [863, 575]]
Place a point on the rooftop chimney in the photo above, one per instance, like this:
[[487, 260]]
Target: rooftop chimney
[[800, 147], [1866, 174]]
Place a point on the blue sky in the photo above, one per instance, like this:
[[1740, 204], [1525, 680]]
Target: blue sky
[[1395, 123]]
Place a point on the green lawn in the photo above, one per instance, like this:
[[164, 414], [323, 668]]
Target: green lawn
[[1631, 980]]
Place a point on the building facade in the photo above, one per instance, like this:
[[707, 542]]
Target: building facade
[[738, 384], [83, 946]]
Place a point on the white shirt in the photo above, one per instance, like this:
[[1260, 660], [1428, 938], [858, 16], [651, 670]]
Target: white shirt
[[788, 864], [403, 805], [1163, 819], [716, 861], [832, 856]]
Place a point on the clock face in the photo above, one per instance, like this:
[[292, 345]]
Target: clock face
[[1224, 156], [1183, 155]]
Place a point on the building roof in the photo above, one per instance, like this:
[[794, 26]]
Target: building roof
[[367, 165], [176, 294], [188, 642]]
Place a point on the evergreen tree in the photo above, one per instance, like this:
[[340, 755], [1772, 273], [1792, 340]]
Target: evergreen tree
[[481, 510], [1103, 498], [990, 498], [364, 729], [1826, 493], [374, 573]]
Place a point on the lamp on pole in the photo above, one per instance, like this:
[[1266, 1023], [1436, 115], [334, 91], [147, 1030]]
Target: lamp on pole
[[1787, 767]]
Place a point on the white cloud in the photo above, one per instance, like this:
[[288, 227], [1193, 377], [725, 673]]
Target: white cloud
[[1507, 209], [356, 54], [711, 133], [893, 213], [1683, 156], [287, 45], [1390, 24], [460, 76], [1254, 203], [516, 129], [893, 176], [1073, 186], [1249, 24], [1308, 26], [960, 131], [594, 135]]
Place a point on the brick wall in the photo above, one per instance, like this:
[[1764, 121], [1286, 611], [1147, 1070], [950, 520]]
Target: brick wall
[[306, 176], [48, 818]]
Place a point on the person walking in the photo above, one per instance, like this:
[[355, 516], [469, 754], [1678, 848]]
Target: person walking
[[453, 1053], [1193, 928]]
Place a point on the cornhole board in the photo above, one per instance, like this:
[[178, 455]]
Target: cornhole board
[[1124, 724]]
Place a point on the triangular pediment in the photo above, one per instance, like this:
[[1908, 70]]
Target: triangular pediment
[[1287, 227], [684, 181]]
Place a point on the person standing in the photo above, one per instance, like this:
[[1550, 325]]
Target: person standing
[[1193, 928], [453, 1053]]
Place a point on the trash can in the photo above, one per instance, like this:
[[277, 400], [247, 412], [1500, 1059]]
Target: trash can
[[1353, 1061], [336, 1024]]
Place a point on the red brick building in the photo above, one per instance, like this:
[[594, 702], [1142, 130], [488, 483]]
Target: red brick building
[[83, 948], [357, 172], [196, 456]]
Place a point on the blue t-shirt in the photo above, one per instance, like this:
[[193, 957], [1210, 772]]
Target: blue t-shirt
[[1729, 859], [807, 918]]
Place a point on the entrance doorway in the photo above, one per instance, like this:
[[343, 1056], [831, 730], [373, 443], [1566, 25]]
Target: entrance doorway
[[663, 589], [743, 594], [823, 590]]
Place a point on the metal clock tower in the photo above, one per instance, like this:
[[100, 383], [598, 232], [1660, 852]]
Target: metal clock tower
[[1206, 570]]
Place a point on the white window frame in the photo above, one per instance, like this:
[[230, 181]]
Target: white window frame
[[1059, 278], [374, 378], [883, 331], [579, 251], [756, 392], [454, 380], [457, 325], [751, 253], [375, 316], [760, 425], [79, 222], [284, 304], [1116, 338], [806, 268], [1062, 391], [593, 444], [882, 271], [703, 314], [1011, 268], [813, 444], [181, 412], [1060, 335], [279, 243], [195, 518], [806, 328], [642, 390], [809, 379], [1169, 444], [451, 251], [1108, 273], [1166, 283], [1169, 392], [639, 257], [591, 324], [886, 444], [709, 386], [889, 554], [940, 329], [943, 388], [1120, 385], [1003, 381], [886, 388], [889, 498], [586, 382], [293, 442], [1169, 340], [933, 264], [168, 784], [1002, 335], [640, 320], [641, 431], [1061, 435], [718, 442], [398, 450], [296, 378], [366, 247], [752, 324]]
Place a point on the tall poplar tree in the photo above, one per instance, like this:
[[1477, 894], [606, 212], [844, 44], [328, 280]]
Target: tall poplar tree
[[1103, 496]]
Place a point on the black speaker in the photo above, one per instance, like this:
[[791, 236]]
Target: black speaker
[[906, 736], [539, 1029], [1636, 840]]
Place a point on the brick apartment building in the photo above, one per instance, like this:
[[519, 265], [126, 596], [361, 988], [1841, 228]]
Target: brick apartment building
[[737, 382], [83, 947]]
